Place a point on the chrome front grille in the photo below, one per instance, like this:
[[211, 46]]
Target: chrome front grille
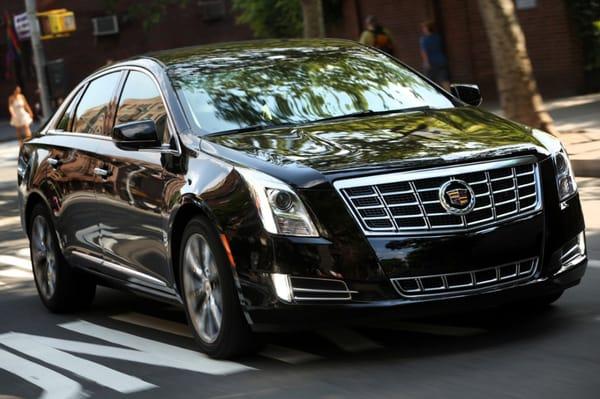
[[409, 202], [466, 282]]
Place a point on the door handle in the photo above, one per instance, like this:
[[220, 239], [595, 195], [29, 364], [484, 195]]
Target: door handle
[[55, 163], [101, 172]]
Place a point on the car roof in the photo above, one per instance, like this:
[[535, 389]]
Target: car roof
[[207, 54]]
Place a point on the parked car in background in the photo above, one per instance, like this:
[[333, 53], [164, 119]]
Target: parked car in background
[[287, 183]]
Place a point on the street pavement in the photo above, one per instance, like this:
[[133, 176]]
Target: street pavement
[[130, 347]]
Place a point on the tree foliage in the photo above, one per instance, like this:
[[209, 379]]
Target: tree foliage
[[280, 18], [271, 18], [149, 12], [586, 14]]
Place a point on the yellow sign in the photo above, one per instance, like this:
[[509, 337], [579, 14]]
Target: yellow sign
[[56, 23]]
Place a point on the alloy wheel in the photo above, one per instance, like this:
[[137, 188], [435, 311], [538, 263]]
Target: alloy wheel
[[43, 256], [202, 288]]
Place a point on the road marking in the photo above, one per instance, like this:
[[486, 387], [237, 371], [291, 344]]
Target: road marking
[[349, 340], [287, 355], [54, 385], [594, 263], [149, 351], [24, 253], [9, 221], [434, 329], [42, 349], [155, 323], [16, 273], [10, 260]]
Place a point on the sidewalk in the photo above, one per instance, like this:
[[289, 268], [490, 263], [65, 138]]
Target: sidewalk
[[578, 118]]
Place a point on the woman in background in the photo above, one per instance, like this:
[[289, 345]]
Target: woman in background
[[21, 115]]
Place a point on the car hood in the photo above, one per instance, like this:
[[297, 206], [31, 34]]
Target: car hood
[[378, 141]]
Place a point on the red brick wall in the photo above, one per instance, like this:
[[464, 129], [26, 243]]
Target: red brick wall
[[84, 53], [553, 46]]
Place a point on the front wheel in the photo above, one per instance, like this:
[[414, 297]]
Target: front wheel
[[210, 298], [60, 287]]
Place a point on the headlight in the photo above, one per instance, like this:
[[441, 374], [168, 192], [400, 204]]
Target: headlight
[[565, 180], [280, 209]]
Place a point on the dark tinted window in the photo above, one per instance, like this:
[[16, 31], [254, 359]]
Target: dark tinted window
[[94, 105], [231, 89], [64, 123], [141, 100]]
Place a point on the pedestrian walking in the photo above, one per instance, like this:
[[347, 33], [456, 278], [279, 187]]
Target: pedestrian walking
[[21, 114], [435, 62], [377, 36]]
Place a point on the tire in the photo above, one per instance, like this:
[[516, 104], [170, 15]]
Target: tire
[[210, 298], [60, 287]]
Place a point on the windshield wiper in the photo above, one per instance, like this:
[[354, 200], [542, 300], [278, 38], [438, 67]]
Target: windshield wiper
[[252, 128], [369, 112]]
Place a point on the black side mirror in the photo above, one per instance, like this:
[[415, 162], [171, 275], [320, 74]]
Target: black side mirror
[[469, 94], [136, 135]]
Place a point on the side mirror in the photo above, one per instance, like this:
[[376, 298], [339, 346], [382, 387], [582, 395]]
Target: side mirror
[[469, 94], [136, 135]]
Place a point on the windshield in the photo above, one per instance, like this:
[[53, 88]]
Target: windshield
[[285, 86]]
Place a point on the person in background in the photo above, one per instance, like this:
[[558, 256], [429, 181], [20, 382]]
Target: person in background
[[377, 36], [21, 114], [435, 62]]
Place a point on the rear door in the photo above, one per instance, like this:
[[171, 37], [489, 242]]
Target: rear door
[[131, 195], [73, 162]]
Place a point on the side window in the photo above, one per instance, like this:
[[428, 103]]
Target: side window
[[141, 100], [93, 108], [64, 123]]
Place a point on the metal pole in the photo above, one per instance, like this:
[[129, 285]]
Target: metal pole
[[39, 59]]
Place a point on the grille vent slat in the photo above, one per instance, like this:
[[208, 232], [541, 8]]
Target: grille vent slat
[[475, 280], [404, 206]]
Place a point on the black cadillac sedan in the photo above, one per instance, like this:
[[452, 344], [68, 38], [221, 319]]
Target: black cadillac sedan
[[281, 184]]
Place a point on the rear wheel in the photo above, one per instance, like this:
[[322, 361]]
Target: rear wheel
[[210, 298], [60, 287]]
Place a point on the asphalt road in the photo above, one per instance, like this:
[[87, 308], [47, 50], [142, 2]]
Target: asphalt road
[[127, 346]]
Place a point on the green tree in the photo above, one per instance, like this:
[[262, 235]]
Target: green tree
[[149, 12], [519, 95], [270, 18], [284, 18]]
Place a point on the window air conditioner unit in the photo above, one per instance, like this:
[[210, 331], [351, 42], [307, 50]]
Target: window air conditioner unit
[[212, 9], [105, 25]]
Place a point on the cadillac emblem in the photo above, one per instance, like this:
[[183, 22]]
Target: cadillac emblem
[[457, 197]]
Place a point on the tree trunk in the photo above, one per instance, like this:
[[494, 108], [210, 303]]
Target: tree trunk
[[312, 12], [519, 96]]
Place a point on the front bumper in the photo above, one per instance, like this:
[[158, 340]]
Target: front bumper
[[306, 316]]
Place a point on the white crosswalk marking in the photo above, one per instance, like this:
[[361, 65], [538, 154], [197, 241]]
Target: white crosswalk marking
[[283, 354], [43, 349], [54, 385], [10, 221], [24, 264], [151, 352], [349, 340]]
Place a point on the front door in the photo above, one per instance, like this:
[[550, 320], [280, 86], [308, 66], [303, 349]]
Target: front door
[[131, 194]]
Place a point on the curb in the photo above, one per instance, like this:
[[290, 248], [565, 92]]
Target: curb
[[586, 167]]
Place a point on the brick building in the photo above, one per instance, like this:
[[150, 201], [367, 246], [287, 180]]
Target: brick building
[[553, 45]]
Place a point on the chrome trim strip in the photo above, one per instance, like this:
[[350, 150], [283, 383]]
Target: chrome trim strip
[[119, 268], [475, 286]]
